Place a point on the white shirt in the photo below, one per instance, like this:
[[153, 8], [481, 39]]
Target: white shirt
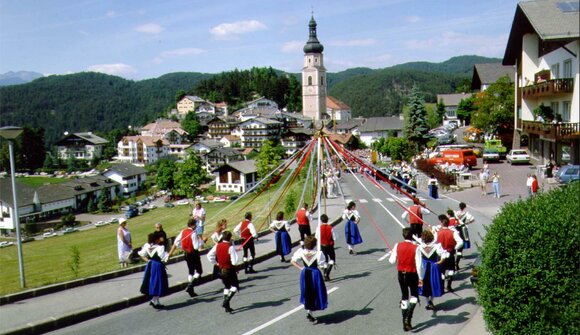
[[464, 217], [251, 228], [456, 237], [348, 214], [199, 214], [197, 243], [309, 257], [427, 250], [418, 260], [149, 251], [216, 237], [211, 255], [277, 225], [424, 211], [529, 181]]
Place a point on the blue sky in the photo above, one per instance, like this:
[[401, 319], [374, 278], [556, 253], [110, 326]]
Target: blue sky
[[140, 39]]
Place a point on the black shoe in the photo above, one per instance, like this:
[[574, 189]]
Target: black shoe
[[351, 252], [430, 307], [326, 278], [449, 289], [193, 294], [156, 306], [311, 318], [250, 270]]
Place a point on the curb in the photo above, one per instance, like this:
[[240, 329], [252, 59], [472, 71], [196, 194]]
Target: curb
[[53, 324]]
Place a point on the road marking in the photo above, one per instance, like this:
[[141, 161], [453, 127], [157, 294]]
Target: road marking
[[377, 200], [271, 322], [385, 256], [363, 201], [391, 199]]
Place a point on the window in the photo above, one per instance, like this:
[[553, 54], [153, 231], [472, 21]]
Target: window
[[567, 69], [556, 71], [554, 105], [309, 80], [566, 109], [321, 81]]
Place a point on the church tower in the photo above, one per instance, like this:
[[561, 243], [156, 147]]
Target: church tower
[[313, 77]]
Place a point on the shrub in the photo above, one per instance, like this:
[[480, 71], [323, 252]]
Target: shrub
[[444, 178], [529, 279]]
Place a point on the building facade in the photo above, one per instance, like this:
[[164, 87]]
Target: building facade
[[313, 77], [258, 130], [85, 146], [236, 177]]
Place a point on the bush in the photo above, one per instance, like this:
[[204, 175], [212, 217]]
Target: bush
[[444, 178], [529, 279]]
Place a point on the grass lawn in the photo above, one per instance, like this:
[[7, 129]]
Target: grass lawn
[[49, 261], [39, 181]]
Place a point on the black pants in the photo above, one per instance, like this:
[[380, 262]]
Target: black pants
[[409, 281], [249, 245], [230, 278], [417, 229], [449, 263], [328, 251], [193, 261], [304, 230]]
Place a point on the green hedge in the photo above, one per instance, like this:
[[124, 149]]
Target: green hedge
[[529, 279]]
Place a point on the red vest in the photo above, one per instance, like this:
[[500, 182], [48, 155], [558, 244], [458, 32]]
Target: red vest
[[452, 222], [245, 231], [302, 217], [535, 185], [445, 237], [222, 253], [415, 216], [406, 252], [186, 240], [326, 235]]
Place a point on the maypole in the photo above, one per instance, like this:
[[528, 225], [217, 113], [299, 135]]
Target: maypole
[[319, 135]]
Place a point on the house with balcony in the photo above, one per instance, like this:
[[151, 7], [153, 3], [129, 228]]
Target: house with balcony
[[231, 141], [294, 139], [236, 177], [543, 45], [142, 149], [130, 177], [84, 146], [205, 146], [487, 74], [188, 103], [258, 130], [220, 126], [220, 156]]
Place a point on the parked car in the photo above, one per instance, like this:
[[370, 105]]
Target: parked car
[[516, 156], [568, 173], [446, 138], [169, 205], [182, 202], [132, 212], [5, 244], [101, 223], [69, 230], [49, 234], [491, 155]]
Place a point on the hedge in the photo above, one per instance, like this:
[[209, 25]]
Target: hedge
[[529, 279]]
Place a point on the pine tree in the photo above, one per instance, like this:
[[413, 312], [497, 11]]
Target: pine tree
[[416, 118]]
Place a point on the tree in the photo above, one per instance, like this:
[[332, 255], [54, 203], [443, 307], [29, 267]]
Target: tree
[[269, 158], [465, 109], [415, 119], [68, 220], [191, 125], [495, 106], [529, 278], [189, 177], [103, 203], [166, 169]]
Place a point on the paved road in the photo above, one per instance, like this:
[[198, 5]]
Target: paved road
[[364, 291]]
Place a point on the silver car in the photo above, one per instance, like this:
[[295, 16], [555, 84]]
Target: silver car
[[518, 156]]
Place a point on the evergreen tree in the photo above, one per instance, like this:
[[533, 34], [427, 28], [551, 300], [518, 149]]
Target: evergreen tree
[[191, 125], [103, 203], [416, 119]]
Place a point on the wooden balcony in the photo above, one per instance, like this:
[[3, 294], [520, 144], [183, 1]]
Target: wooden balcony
[[548, 88], [553, 131]]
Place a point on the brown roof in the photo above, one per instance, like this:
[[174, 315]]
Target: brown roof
[[334, 103], [147, 140], [232, 137]]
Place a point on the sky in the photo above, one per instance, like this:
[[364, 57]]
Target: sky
[[141, 39]]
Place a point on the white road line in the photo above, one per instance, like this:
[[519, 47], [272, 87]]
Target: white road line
[[377, 200], [271, 322], [363, 201], [391, 199], [385, 256]]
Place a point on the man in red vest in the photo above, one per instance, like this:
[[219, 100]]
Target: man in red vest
[[247, 232], [188, 241], [415, 214], [327, 238], [303, 219], [451, 242], [409, 263], [225, 257]]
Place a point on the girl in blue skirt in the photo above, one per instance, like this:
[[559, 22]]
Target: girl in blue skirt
[[155, 281], [312, 289], [432, 254], [351, 228], [281, 236]]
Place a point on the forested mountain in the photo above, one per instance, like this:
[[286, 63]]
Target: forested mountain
[[98, 102]]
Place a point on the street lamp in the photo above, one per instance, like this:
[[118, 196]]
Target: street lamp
[[10, 134]]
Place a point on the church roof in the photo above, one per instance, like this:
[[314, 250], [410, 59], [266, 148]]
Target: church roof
[[313, 45]]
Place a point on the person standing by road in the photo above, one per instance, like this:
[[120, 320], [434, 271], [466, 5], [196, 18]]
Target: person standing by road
[[483, 181], [188, 241], [351, 230], [408, 259], [283, 243], [124, 246], [247, 231], [303, 219], [415, 214], [312, 289], [529, 182], [327, 238], [159, 228], [155, 283], [199, 216], [225, 257], [534, 187], [495, 184], [450, 241]]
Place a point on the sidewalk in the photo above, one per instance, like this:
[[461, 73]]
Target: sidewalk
[[36, 312]]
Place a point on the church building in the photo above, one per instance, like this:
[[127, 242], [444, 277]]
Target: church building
[[313, 77]]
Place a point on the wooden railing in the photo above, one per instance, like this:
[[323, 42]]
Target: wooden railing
[[549, 87], [551, 130]]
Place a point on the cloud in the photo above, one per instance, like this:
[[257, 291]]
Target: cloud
[[182, 52], [413, 19], [111, 13], [292, 46], [118, 69], [353, 43], [229, 30], [485, 45], [150, 28]]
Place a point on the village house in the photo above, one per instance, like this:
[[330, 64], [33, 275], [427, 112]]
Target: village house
[[258, 130], [294, 139], [451, 102], [142, 149], [231, 141], [487, 74], [337, 110], [220, 156], [84, 146], [130, 177], [238, 177], [376, 127]]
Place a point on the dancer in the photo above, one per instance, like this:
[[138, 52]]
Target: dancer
[[327, 238], [451, 242], [247, 231], [312, 289], [221, 226], [432, 255], [351, 228], [415, 214], [303, 219], [281, 236], [155, 281], [224, 255], [409, 263], [188, 241], [464, 218]]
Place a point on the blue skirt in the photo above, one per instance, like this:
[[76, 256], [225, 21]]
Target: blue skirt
[[312, 289], [283, 243], [351, 233], [432, 282], [155, 281]]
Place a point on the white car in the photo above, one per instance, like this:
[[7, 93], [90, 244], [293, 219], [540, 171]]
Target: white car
[[4, 244], [182, 202], [101, 223], [49, 234], [516, 156]]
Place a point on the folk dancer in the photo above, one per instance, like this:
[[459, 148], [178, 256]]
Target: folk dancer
[[327, 238], [451, 242], [247, 232], [224, 255], [303, 219], [216, 238], [409, 264], [415, 214], [283, 243], [312, 289], [432, 255], [351, 230], [155, 281], [464, 218], [188, 241]]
